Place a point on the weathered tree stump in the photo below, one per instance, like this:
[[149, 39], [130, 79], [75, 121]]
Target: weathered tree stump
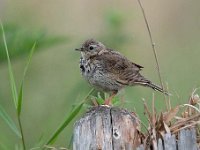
[[106, 128]]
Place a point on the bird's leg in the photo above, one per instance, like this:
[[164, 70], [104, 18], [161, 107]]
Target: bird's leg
[[109, 100]]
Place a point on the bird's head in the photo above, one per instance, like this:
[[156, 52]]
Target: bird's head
[[91, 48]]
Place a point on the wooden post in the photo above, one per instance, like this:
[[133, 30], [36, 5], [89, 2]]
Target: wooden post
[[111, 128], [186, 141], [106, 128]]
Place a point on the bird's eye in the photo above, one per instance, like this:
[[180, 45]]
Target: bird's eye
[[91, 47]]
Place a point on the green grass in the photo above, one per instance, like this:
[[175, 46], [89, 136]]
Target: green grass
[[12, 80], [8, 120], [20, 97], [17, 97], [68, 119], [18, 101]]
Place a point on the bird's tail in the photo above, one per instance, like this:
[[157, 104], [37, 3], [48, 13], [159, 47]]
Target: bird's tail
[[147, 83], [156, 88]]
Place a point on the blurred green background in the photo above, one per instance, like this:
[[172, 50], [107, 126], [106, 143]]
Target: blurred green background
[[53, 82]]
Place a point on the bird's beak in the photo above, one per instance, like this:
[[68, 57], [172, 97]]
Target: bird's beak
[[79, 49]]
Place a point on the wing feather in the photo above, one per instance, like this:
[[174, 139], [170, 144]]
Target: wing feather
[[119, 67]]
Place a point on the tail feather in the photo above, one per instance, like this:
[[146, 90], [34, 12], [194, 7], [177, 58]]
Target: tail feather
[[157, 88], [148, 83], [140, 80]]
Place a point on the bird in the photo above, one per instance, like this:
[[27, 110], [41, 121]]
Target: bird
[[109, 71]]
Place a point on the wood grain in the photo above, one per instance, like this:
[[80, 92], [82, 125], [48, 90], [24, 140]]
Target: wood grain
[[106, 128], [111, 128]]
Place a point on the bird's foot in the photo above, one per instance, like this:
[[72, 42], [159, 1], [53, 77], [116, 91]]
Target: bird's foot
[[108, 101]]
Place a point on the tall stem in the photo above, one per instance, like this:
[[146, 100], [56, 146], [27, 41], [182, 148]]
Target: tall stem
[[154, 49], [21, 130]]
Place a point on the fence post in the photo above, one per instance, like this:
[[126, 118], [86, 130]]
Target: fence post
[[111, 128], [106, 128]]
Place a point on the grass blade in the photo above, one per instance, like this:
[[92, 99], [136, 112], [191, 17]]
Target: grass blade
[[9, 121], [12, 80], [20, 98], [68, 119], [64, 124]]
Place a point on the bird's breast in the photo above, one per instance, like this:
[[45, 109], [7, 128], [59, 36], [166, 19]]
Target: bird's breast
[[94, 72], [87, 68]]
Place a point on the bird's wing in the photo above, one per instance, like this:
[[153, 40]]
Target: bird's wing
[[119, 67]]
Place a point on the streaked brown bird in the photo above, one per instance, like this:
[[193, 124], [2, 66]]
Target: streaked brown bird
[[110, 71]]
